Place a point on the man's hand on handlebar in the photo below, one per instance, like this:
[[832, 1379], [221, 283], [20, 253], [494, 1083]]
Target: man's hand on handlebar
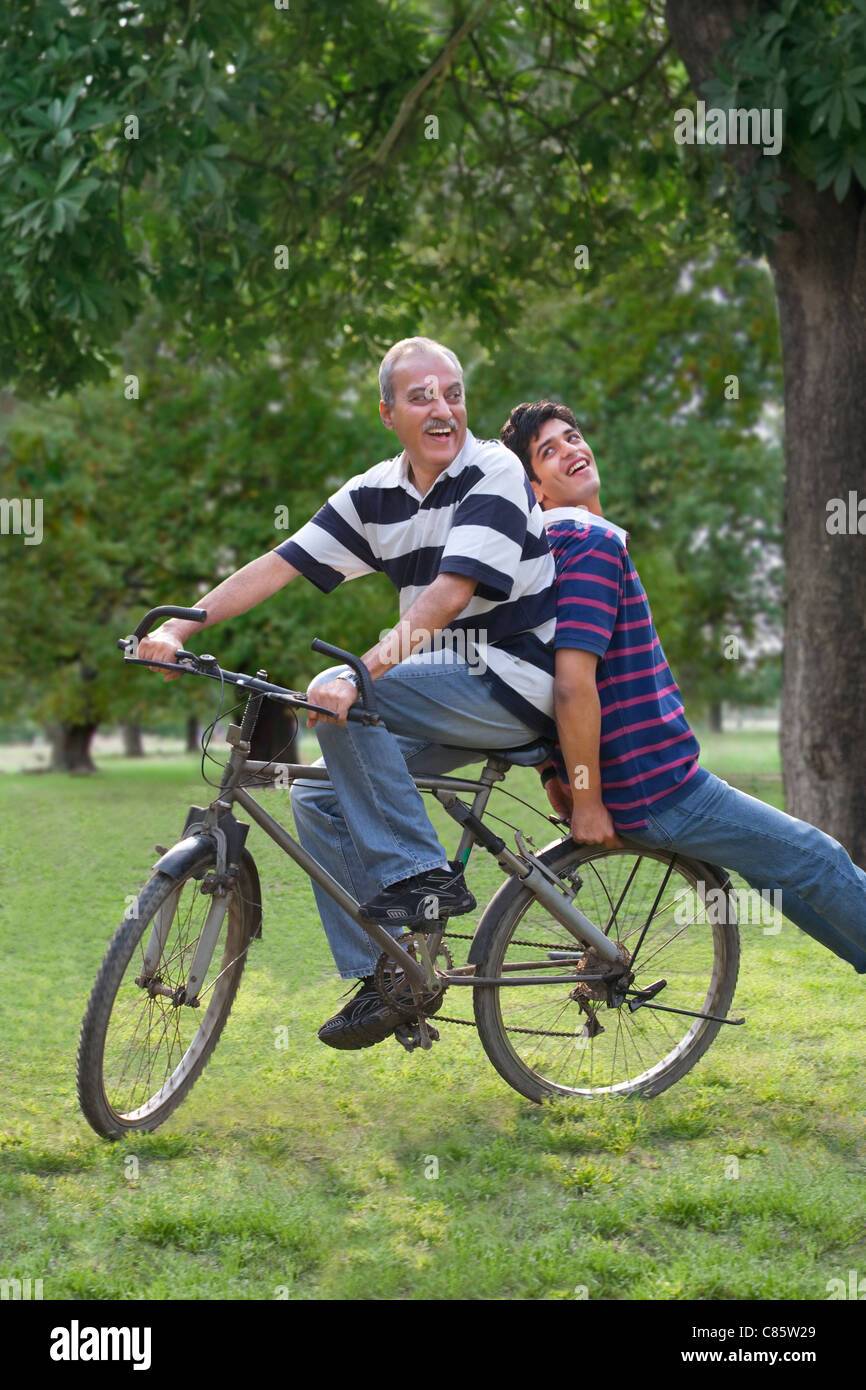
[[338, 695], [161, 645]]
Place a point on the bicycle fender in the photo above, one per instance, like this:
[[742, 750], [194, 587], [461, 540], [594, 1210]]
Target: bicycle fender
[[194, 852], [249, 864]]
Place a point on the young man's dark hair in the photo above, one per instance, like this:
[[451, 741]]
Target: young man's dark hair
[[523, 425]]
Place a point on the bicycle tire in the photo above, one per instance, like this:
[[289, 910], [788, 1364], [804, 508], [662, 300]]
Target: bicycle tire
[[563, 1065], [188, 1036]]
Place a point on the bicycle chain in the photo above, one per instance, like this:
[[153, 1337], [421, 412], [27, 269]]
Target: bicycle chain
[[536, 1032], [539, 945]]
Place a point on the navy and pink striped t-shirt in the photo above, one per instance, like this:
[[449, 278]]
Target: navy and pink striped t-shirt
[[648, 752]]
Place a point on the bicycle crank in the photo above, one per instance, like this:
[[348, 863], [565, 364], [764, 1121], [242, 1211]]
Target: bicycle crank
[[414, 1004]]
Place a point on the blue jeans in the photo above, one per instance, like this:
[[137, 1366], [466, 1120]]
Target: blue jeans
[[822, 891], [368, 827]]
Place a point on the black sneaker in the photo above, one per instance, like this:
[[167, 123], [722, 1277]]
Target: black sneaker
[[365, 1020], [423, 900]]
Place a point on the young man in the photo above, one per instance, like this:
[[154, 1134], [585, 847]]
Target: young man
[[469, 666], [631, 758]]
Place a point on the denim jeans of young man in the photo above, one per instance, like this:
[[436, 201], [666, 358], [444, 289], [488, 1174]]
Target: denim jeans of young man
[[369, 827], [822, 891]]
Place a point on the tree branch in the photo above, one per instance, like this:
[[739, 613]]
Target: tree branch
[[408, 107]]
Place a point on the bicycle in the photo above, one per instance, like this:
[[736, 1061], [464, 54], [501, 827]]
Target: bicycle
[[563, 1001]]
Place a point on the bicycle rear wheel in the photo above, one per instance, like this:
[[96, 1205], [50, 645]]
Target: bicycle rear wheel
[[142, 1048], [569, 1039]]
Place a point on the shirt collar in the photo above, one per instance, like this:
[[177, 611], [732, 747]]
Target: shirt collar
[[470, 444], [581, 516]]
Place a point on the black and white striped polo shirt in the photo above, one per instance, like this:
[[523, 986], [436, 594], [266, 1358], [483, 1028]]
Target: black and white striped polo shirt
[[480, 519]]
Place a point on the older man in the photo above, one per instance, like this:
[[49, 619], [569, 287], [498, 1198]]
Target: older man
[[452, 522]]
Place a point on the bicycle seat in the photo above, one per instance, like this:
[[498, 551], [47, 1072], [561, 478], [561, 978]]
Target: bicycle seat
[[527, 755]]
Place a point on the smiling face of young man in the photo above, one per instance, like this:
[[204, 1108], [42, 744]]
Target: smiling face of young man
[[565, 468], [429, 412]]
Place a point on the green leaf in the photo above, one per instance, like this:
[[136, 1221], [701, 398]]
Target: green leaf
[[842, 182], [836, 113], [212, 178], [38, 117], [67, 169], [774, 23], [188, 177], [22, 212], [766, 198], [825, 177], [852, 109], [68, 106]]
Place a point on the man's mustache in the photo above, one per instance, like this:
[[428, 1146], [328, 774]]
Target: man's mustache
[[439, 425]]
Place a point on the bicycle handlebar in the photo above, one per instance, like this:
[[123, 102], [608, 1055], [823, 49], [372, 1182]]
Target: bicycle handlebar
[[366, 713], [170, 610], [357, 665]]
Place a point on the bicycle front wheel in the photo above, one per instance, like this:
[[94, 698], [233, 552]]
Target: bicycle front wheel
[[142, 1047], [674, 916]]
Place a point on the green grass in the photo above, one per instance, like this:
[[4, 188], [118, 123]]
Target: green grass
[[301, 1171]]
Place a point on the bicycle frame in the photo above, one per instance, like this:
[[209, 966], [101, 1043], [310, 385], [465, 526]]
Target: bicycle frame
[[218, 823], [550, 890]]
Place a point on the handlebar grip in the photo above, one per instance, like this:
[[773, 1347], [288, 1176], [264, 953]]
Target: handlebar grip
[[192, 615], [357, 665]]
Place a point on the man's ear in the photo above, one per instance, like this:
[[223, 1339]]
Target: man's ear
[[385, 413], [539, 492]]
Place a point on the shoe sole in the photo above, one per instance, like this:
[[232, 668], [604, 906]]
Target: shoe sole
[[428, 923], [354, 1037], [343, 1043]]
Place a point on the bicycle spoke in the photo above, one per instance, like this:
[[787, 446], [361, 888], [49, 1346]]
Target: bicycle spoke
[[598, 1046], [151, 1042]]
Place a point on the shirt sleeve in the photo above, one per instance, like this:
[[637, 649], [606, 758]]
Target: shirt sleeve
[[332, 546], [488, 530], [588, 590]]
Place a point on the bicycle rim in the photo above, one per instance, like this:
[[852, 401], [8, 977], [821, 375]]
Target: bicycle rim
[[558, 1039], [150, 1047]]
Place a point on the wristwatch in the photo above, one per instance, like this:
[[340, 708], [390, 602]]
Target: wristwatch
[[348, 675]]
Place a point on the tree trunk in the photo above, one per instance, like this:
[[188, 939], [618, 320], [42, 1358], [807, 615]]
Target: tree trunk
[[715, 715], [820, 273], [70, 747], [132, 744], [192, 735], [819, 268]]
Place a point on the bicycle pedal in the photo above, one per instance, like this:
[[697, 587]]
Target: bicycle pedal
[[409, 1035]]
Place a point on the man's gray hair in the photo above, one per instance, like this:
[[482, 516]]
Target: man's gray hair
[[405, 348]]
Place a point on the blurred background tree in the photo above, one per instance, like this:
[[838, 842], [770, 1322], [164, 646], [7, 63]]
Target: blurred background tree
[[291, 190]]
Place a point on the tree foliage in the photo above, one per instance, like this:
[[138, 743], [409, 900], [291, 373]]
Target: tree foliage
[[770, 62], [168, 150]]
